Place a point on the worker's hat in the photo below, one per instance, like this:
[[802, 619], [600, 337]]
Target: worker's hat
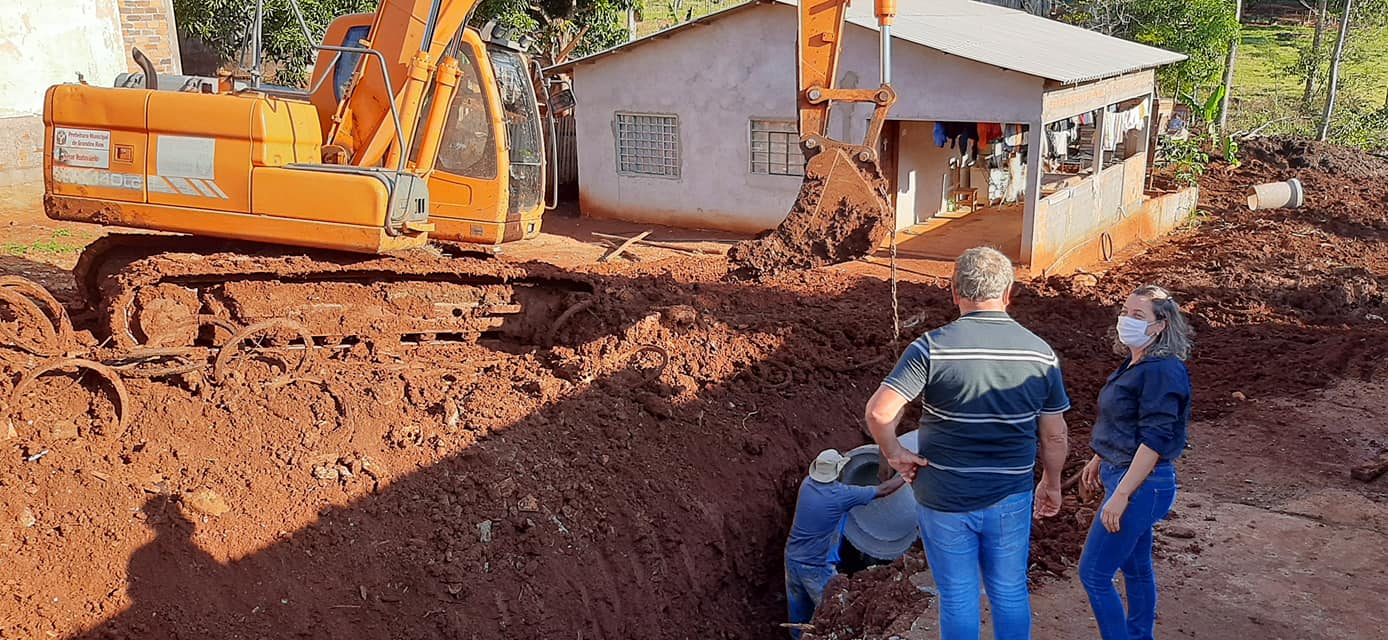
[[827, 465]]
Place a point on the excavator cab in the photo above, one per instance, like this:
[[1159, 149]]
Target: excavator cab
[[478, 134]]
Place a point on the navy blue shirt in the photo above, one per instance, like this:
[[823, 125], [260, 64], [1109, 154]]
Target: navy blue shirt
[[1144, 403], [982, 381], [819, 514]]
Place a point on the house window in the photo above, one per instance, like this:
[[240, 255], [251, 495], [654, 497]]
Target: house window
[[776, 148], [648, 145]]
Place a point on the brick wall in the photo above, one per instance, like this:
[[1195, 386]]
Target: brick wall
[[149, 25]]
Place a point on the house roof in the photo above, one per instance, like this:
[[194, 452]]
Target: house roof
[[985, 33]]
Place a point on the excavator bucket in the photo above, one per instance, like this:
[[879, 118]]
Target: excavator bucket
[[842, 213]]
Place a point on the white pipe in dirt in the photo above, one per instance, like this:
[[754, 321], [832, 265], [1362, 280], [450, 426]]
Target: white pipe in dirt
[[1277, 195]]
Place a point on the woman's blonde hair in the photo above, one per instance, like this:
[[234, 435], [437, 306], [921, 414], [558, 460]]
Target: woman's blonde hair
[[1176, 339]]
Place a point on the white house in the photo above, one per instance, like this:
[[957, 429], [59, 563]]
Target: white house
[[47, 42], [694, 126]]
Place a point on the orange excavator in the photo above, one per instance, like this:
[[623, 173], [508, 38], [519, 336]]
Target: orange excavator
[[314, 208]]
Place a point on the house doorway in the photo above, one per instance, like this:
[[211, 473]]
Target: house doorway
[[954, 192]]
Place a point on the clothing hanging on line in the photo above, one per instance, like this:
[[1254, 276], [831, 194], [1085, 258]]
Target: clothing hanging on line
[[988, 132]]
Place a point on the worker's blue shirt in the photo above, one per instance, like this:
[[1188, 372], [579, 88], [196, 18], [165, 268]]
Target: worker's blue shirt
[[819, 515], [1144, 403]]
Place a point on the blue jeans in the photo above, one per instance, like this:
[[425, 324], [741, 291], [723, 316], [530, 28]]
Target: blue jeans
[[1129, 550], [804, 591], [995, 542]]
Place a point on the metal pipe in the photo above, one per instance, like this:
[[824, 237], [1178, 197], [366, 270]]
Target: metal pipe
[[445, 83], [431, 23], [886, 30], [303, 25], [385, 73], [147, 66], [551, 156], [257, 44]]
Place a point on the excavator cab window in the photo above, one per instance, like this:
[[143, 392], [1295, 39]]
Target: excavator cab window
[[467, 147], [347, 62], [525, 144]]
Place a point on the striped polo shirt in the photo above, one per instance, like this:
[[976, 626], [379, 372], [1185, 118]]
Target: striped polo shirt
[[982, 381]]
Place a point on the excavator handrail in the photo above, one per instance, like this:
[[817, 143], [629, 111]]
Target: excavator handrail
[[551, 157]]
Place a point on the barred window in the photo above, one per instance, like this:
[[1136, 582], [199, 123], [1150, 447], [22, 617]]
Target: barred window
[[648, 145], [776, 148]]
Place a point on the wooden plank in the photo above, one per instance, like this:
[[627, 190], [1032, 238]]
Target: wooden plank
[[623, 247], [662, 245], [1059, 103]]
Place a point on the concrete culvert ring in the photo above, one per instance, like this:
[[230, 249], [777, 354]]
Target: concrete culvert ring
[[120, 399], [886, 528]]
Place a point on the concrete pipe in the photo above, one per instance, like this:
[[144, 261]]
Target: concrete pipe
[[883, 529], [1277, 195]]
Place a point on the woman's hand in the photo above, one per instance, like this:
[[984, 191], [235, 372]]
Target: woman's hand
[[1112, 514], [1089, 478]]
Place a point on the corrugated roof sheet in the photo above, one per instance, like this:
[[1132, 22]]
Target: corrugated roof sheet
[[989, 34], [1014, 40]]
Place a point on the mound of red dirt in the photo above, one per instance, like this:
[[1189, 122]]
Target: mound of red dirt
[[635, 480]]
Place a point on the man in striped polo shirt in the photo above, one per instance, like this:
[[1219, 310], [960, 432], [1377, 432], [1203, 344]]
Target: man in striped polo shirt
[[991, 394]]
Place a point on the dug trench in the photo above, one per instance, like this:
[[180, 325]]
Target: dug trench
[[586, 490]]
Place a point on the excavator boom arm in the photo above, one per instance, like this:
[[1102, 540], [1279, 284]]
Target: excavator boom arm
[[413, 36], [843, 211], [821, 30]]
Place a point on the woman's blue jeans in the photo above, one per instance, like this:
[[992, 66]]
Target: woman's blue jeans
[[1129, 550], [992, 543]]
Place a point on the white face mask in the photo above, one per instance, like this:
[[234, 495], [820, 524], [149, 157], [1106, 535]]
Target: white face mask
[[1133, 332]]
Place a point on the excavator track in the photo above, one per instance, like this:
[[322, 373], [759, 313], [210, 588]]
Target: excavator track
[[175, 291]]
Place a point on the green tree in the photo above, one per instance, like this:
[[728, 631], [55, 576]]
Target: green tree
[[224, 26], [557, 27], [562, 28], [1201, 29]]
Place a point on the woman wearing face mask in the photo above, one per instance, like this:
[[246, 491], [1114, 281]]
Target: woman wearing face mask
[[1139, 432]]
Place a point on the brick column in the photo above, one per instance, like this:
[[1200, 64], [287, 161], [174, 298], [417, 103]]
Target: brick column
[[150, 25]]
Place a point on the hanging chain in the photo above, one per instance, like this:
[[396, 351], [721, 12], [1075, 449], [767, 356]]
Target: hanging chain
[[896, 303]]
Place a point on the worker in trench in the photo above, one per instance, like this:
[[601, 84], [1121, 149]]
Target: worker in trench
[[812, 549], [991, 395]]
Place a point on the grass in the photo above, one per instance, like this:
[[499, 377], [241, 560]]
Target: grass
[[1268, 51], [662, 14], [60, 241], [1267, 90]]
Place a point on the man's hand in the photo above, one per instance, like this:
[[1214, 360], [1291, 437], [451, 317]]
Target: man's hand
[[1048, 497], [905, 462], [891, 486]]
